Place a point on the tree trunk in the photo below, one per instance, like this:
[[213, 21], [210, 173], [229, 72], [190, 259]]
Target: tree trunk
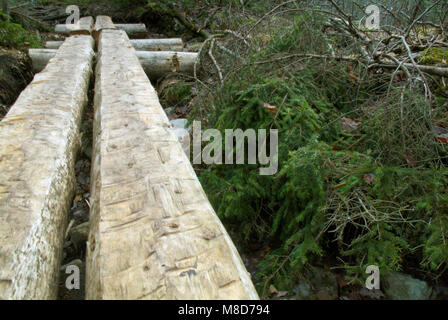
[[38, 147], [153, 232], [5, 8]]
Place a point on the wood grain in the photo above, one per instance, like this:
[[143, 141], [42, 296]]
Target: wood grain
[[39, 138], [154, 234]]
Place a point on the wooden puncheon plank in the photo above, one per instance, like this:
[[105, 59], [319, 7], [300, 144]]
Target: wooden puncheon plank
[[153, 232], [39, 138]]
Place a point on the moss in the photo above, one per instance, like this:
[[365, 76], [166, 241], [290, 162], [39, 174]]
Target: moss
[[435, 56]]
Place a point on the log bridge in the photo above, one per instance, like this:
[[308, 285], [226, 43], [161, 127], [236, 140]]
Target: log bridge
[[153, 233]]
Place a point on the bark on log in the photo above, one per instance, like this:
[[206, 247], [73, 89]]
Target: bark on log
[[155, 63], [53, 44], [158, 63], [84, 26], [154, 234], [135, 31], [174, 44], [39, 138]]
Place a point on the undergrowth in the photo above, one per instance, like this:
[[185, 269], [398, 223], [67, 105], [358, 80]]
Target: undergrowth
[[372, 195], [13, 35]]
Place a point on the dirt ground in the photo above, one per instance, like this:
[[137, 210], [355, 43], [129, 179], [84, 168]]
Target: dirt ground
[[15, 74]]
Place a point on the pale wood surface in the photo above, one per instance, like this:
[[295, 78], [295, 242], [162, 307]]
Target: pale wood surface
[[153, 232], [173, 44], [133, 30], [40, 58], [102, 23], [136, 30], [38, 140], [84, 26]]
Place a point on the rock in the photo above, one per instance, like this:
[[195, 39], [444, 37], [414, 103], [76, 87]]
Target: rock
[[399, 286], [81, 214], [79, 235], [179, 123], [440, 293], [169, 110], [317, 284], [373, 294]]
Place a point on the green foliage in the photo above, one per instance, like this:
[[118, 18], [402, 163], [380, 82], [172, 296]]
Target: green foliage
[[435, 56], [374, 196], [13, 35]]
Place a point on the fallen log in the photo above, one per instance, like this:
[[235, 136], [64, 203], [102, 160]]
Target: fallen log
[[40, 58], [158, 63], [53, 44], [174, 44], [153, 233], [135, 31], [155, 63], [84, 26], [434, 70], [39, 139]]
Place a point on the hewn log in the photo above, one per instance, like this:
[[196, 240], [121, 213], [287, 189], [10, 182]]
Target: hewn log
[[174, 44], [136, 31], [154, 234], [102, 23], [39, 138], [83, 26], [155, 63]]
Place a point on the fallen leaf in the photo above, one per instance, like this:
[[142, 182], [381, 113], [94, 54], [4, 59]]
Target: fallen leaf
[[349, 125], [272, 289], [271, 109], [340, 185], [410, 159], [281, 294], [369, 178], [442, 139]]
